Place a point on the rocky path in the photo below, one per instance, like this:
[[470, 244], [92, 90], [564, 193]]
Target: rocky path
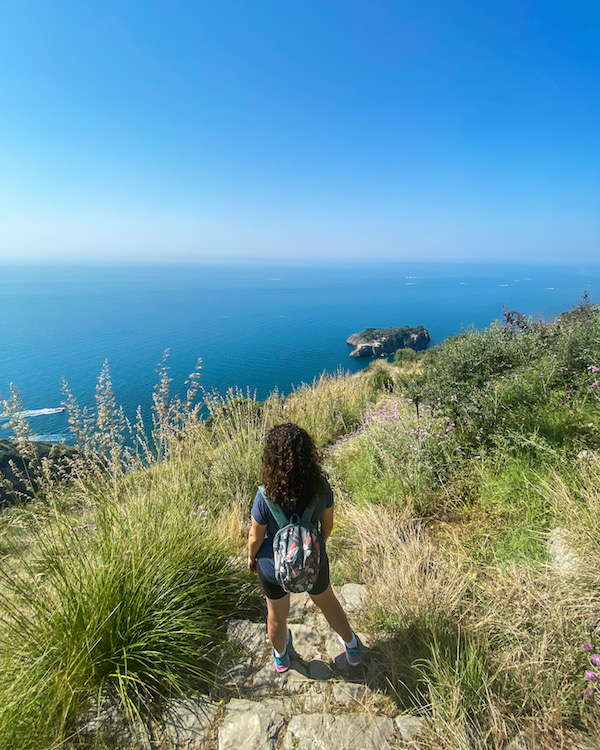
[[321, 703]]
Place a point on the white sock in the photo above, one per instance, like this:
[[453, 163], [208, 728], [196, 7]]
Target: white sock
[[352, 643], [281, 654]]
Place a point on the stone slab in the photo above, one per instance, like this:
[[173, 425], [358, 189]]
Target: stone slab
[[409, 727], [188, 720], [267, 680], [305, 642], [353, 596], [251, 636], [249, 725], [343, 732]]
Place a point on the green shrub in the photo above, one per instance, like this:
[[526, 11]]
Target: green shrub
[[131, 604], [405, 355]]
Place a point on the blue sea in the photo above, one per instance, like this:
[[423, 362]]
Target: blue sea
[[254, 326]]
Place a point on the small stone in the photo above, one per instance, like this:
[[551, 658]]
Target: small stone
[[353, 595], [587, 456], [188, 720], [409, 727], [249, 725], [562, 557], [249, 635], [346, 732]]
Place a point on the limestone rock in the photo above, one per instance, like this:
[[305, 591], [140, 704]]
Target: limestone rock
[[295, 679], [409, 727], [347, 693], [249, 635], [234, 671], [299, 605], [314, 701], [188, 720], [249, 725], [267, 680], [305, 642], [333, 647], [318, 670], [108, 723], [562, 557], [345, 732], [353, 596]]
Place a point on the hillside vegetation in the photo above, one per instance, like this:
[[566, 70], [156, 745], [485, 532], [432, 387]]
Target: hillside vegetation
[[467, 485]]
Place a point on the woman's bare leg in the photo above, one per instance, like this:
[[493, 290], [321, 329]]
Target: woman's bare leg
[[277, 613], [329, 605]]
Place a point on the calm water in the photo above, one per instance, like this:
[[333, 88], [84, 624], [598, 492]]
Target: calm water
[[261, 326]]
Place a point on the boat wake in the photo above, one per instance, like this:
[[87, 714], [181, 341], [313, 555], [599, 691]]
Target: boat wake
[[36, 412]]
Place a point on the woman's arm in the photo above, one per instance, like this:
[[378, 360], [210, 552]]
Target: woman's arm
[[326, 522], [255, 539]]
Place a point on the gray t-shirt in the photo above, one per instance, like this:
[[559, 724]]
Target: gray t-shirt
[[262, 515]]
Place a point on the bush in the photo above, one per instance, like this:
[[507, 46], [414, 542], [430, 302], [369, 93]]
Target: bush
[[405, 355]]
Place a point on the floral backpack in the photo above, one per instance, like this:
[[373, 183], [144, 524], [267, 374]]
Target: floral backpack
[[296, 549]]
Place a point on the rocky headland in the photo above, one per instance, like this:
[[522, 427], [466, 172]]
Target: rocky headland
[[384, 342]]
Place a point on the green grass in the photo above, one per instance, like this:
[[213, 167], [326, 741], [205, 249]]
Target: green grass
[[132, 604]]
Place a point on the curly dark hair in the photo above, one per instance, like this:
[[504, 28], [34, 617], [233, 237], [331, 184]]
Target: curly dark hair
[[291, 467]]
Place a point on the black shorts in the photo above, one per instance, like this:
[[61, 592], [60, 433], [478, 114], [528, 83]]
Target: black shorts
[[273, 590]]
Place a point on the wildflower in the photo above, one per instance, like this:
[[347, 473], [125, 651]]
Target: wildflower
[[365, 559], [477, 458], [593, 368], [595, 383], [590, 675], [588, 646], [454, 397], [589, 693], [595, 659]]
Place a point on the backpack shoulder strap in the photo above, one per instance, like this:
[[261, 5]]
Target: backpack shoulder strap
[[278, 514], [307, 515]]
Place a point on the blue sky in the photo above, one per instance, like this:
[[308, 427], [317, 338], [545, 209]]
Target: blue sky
[[230, 130]]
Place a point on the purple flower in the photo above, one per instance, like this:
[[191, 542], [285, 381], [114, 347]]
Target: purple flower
[[588, 646], [595, 659], [593, 368], [454, 397], [595, 383], [590, 675], [589, 693]]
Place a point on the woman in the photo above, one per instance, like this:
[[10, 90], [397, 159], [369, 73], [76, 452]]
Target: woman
[[292, 478]]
